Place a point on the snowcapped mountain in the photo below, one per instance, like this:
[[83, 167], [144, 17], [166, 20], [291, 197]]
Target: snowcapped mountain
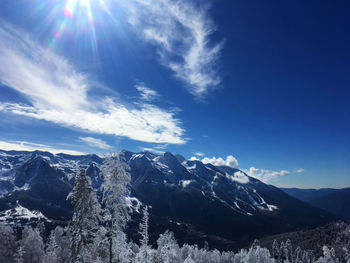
[[199, 202], [20, 214]]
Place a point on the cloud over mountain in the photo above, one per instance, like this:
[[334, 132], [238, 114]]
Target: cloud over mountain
[[265, 175], [229, 161]]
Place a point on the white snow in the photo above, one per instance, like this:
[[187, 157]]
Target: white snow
[[185, 183], [133, 203], [185, 164], [137, 155], [23, 188], [20, 212], [272, 207]]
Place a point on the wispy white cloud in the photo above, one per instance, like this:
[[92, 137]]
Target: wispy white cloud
[[29, 146], [229, 161], [239, 177], [181, 32], [157, 149], [94, 142], [147, 94], [153, 150], [299, 170], [200, 154], [58, 93], [265, 175]]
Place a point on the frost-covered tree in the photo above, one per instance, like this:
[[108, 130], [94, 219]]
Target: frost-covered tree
[[7, 244], [144, 252], [346, 255], [254, 254], [85, 220], [275, 251], [101, 245], [168, 249], [297, 255], [33, 245], [58, 246], [62, 239], [116, 212], [51, 251], [287, 251], [189, 260], [328, 256], [19, 255]]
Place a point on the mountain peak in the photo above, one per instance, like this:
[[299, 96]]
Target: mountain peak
[[180, 158]]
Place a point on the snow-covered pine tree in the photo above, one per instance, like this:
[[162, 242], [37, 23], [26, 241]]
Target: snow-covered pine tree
[[51, 250], [143, 256], [62, 239], [7, 244], [297, 255], [18, 257], [116, 212], [144, 228], [346, 255], [328, 256], [288, 250], [189, 260], [33, 245], [275, 251], [168, 249], [258, 254], [85, 219]]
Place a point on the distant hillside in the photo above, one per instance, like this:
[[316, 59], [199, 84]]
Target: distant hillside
[[335, 201], [335, 235]]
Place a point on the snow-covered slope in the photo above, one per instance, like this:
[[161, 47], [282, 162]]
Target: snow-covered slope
[[12, 161], [20, 214], [197, 200]]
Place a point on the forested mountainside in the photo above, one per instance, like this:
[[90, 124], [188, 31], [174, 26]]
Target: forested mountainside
[[97, 232], [335, 235], [335, 201], [33, 246], [199, 202]]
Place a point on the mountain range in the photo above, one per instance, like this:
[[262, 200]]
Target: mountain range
[[336, 201], [219, 205]]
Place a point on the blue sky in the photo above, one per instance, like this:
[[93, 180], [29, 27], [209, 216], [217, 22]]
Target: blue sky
[[263, 86]]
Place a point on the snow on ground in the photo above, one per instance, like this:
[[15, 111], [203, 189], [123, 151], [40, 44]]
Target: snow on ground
[[185, 164], [133, 203], [21, 213], [185, 183]]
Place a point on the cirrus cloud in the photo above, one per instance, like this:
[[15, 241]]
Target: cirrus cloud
[[181, 32], [58, 93], [94, 142], [30, 146], [299, 170], [147, 94]]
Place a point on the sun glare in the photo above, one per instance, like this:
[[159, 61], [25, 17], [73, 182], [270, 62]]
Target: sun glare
[[82, 16], [85, 3]]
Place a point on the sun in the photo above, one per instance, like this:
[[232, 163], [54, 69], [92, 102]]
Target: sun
[[73, 6], [81, 15], [84, 3]]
